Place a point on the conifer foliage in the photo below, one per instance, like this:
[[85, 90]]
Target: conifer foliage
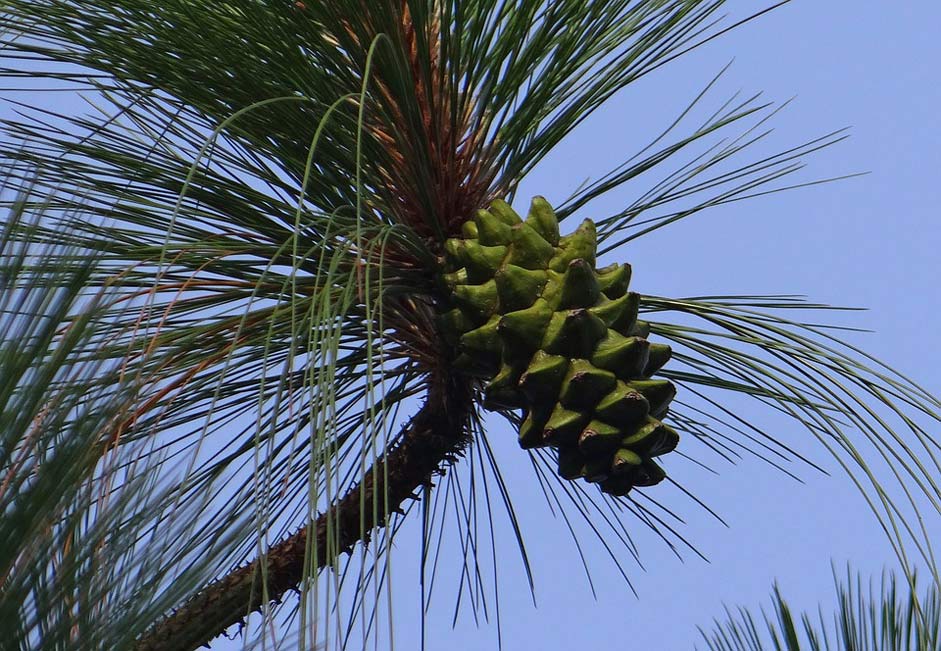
[[271, 280]]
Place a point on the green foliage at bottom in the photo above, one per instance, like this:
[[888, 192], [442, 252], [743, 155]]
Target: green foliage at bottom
[[882, 616]]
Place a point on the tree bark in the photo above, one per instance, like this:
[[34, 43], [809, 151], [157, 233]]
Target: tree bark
[[437, 433]]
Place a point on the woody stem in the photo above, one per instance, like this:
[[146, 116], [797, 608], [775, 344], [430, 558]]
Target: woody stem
[[435, 434]]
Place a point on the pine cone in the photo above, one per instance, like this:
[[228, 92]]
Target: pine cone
[[551, 335]]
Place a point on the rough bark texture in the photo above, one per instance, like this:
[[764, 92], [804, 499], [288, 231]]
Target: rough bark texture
[[437, 433]]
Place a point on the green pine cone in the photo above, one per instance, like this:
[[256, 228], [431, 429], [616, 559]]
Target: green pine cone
[[554, 336]]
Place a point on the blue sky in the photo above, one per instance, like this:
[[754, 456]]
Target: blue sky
[[871, 241]]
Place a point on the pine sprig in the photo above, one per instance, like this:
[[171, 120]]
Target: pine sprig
[[888, 615], [266, 189]]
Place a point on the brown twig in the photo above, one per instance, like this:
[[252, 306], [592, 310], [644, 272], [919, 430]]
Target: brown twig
[[436, 434]]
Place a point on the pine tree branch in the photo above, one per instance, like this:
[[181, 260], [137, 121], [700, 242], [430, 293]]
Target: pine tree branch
[[437, 433]]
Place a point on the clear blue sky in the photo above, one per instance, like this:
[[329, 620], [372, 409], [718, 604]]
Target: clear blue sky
[[870, 241]]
